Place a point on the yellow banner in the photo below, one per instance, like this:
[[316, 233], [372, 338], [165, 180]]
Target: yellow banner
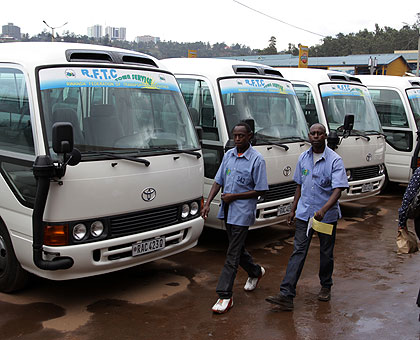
[[303, 56], [322, 227], [192, 54]]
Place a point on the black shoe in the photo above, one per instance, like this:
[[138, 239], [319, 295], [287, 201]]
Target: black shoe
[[324, 294], [285, 302]]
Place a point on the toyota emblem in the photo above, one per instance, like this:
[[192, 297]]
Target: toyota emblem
[[369, 157], [287, 171], [148, 194]]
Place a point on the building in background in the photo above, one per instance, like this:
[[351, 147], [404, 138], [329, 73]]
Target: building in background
[[95, 31], [116, 33], [146, 39], [11, 31]]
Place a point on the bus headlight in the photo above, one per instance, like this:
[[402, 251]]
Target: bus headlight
[[185, 210], [79, 231], [194, 208], [96, 228]]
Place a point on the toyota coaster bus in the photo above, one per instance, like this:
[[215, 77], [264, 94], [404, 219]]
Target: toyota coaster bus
[[219, 94], [397, 102], [101, 167], [343, 104]]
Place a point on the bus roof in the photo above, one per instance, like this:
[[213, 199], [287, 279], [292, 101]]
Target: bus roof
[[390, 81], [316, 76], [33, 54], [214, 68]]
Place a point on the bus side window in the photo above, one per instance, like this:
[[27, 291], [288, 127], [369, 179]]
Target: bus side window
[[15, 121], [16, 135]]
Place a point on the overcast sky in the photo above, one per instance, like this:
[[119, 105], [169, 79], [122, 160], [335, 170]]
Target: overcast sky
[[213, 20]]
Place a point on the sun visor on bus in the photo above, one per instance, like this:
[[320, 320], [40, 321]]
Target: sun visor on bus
[[251, 69], [109, 57], [343, 77]]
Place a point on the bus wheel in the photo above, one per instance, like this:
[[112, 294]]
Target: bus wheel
[[12, 276]]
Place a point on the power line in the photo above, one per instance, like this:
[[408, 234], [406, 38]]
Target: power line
[[283, 22]]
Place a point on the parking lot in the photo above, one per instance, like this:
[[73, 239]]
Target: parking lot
[[373, 296]]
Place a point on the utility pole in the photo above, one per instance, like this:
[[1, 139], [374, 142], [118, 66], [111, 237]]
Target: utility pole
[[53, 28]]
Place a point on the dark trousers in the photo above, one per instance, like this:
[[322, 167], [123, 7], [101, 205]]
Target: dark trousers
[[417, 229], [236, 255], [300, 250]]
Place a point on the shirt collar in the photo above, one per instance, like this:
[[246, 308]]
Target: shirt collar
[[246, 154], [311, 152]]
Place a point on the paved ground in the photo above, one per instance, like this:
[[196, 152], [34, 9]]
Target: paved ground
[[373, 296]]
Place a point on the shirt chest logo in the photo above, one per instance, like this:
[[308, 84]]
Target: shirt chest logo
[[305, 172]]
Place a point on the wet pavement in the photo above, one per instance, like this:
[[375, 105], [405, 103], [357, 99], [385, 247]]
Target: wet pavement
[[373, 296]]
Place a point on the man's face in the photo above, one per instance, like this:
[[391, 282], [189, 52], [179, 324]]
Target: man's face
[[241, 137], [317, 136]]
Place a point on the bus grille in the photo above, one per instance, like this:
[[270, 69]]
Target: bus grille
[[280, 191], [365, 172], [143, 221]]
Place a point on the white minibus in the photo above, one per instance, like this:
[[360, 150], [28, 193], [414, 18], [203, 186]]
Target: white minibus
[[101, 167], [397, 102], [219, 94], [343, 104]]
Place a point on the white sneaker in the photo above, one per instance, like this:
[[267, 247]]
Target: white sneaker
[[222, 305], [252, 282]]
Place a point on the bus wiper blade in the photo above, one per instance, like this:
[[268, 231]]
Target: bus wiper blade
[[188, 152], [117, 156], [296, 138], [377, 132], [259, 138], [360, 134]]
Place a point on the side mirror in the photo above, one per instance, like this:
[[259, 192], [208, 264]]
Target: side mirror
[[199, 131], [62, 137], [333, 140], [348, 122]]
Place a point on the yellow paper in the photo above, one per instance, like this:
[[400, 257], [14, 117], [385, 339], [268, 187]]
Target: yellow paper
[[321, 227]]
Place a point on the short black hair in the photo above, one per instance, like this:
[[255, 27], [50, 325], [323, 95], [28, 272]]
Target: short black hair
[[245, 125], [320, 125]]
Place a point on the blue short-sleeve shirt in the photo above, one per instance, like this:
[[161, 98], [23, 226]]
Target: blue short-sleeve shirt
[[239, 174], [318, 182]]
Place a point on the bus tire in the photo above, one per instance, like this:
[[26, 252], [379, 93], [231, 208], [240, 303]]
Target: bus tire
[[12, 276]]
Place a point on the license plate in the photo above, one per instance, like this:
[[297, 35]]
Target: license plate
[[284, 209], [148, 246], [367, 187]]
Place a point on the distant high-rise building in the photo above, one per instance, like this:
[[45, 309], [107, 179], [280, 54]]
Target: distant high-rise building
[[147, 38], [116, 33], [95, 31], [11, 31]]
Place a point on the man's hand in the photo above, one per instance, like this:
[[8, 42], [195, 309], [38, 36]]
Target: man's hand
[[205, 211], [319, 215], [227, 198], [291, 218]]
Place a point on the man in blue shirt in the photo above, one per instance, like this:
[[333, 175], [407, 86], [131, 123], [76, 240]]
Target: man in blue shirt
[[243, 177], [320, 176]]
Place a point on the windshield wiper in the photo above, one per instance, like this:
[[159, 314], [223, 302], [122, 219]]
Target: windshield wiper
[[360, 134], [296, 138], [117, 156], [259, 138], [377, 132], [188, 152]]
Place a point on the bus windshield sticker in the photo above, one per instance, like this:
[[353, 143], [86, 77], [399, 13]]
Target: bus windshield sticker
[[255, 85], [104, 77], [329, 90], [413, 93]]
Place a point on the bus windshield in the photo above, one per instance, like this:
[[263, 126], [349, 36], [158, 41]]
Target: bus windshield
[[342, 99], [272, 104], [414, 99], [117, 110]]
